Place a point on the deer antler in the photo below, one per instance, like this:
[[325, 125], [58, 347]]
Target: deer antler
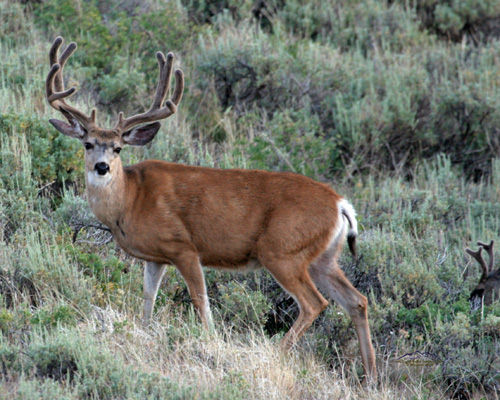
[[156, 111], [54, 85], [490, 279], [56, 93], [479, 258], [491, 254]]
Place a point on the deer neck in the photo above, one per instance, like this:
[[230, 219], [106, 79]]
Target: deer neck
[[107, 196]]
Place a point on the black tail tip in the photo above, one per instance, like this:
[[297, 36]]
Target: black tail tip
[[351, 241]]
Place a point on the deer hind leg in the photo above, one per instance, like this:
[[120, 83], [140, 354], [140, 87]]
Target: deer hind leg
[[296, 281], [190, 268], [331, 280], [153, 273]]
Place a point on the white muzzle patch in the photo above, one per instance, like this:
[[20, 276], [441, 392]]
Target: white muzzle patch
[[94, 179]]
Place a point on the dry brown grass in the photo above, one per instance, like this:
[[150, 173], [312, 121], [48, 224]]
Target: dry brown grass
[[253, 363]]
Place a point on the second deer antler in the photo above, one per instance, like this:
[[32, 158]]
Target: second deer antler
[[490, 279]]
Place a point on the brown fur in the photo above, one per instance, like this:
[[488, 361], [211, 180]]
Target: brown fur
[[172, 213], [222, 214]]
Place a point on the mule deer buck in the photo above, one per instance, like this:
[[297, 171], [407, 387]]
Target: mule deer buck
[[166, 213], [489, 283]]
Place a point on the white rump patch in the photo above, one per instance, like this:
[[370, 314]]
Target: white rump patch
[[347, 211], [346, 225]]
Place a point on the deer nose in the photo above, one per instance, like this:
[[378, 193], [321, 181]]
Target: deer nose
[[102, 168]]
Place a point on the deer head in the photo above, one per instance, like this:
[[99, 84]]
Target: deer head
[[490, 279], [103, 145]]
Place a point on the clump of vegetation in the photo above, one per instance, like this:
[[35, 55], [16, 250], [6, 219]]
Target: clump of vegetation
[[477, 21], [53, 158], [395, 103]]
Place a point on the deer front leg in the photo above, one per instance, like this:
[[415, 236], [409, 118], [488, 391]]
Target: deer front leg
[[153, 273]]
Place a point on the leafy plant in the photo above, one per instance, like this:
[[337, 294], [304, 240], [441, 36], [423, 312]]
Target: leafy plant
[[54, 157]]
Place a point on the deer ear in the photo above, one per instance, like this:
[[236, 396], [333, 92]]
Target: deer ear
[[142, 135], [75, 131]]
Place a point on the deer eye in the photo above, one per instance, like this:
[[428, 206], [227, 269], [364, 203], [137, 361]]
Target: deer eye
[[117, 150], [88, 146]]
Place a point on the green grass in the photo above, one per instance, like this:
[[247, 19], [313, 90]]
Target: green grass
[[390, 103]]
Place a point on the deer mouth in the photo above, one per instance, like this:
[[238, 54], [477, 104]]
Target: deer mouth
[[95, 178]]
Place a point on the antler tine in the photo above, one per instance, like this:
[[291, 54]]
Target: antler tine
[[165, 65], [491, 254], [58, 79], [54, 49], [68, 51], [179, 87], [156, 111], [479, 258], [55, 84]]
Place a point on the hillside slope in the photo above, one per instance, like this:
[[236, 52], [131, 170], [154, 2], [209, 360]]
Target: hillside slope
[[395, 104]]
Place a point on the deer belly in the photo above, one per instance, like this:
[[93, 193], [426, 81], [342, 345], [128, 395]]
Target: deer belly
[[250, 265]]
